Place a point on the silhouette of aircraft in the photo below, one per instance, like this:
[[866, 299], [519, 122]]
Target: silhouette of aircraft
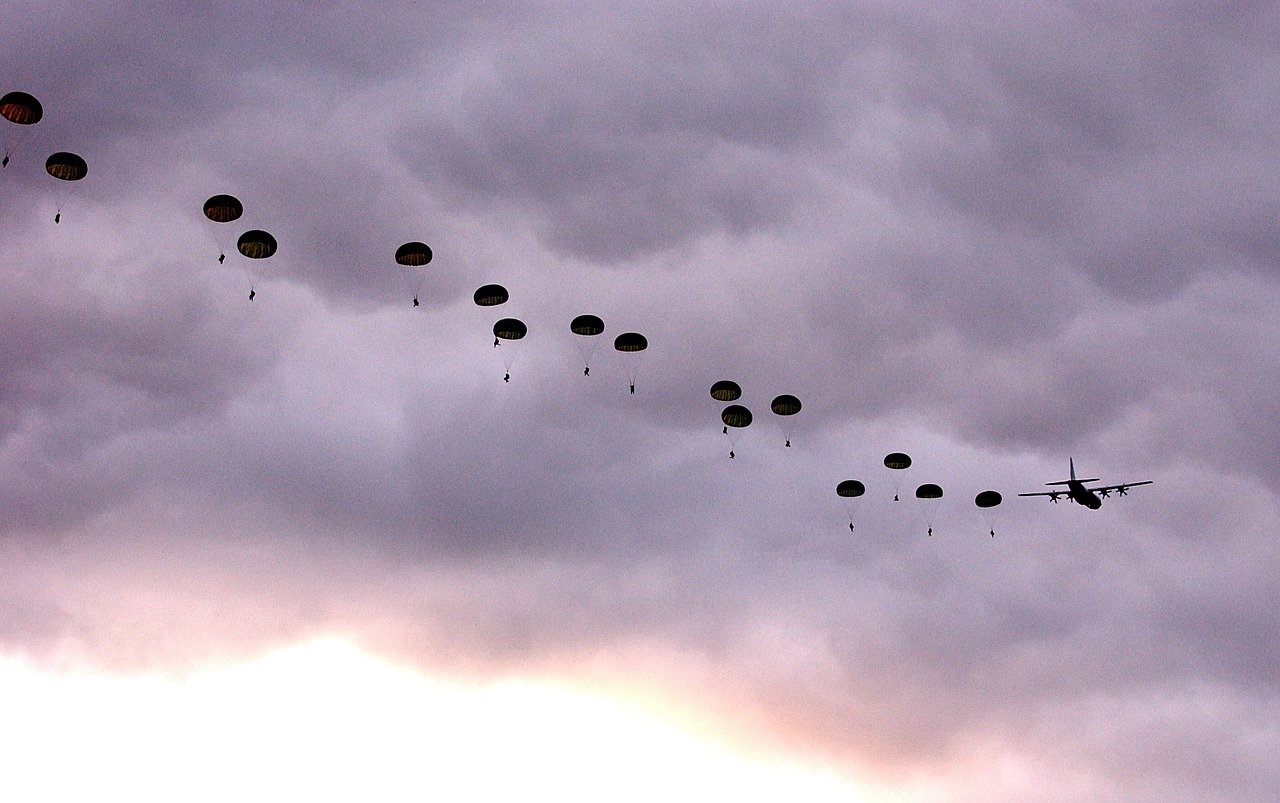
[[1078, 493]]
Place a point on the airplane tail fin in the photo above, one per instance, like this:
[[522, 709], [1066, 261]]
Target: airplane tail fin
[[1071, 462]]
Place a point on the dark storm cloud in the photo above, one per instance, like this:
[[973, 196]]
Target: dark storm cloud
[[979, 243], [652, 135]]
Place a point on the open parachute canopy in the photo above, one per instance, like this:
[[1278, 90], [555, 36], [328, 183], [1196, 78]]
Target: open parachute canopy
[[929, 491], [414, 255], [256, 244], [897, 461], [724, 390], [223, 208], [988, 499], [785, 404], [735, 415], [66, 166], [21, 108], [586, 325], [630, 341], [510, 329], [850, 489], [491, 295]]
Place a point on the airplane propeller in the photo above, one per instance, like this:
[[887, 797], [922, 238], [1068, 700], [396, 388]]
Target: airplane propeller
[[1123, 490], [1104, 493], [1053, 497]]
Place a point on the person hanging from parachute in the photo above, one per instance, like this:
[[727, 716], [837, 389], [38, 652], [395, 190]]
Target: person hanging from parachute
[[987, 501], [414, 255], [785, 406], [65, 166], [850, 491], [512, 330], [20, 109], [256, 244], [897, 461], [222, 209], [631, 343], [737, 417], [930, 493], [588, 328]]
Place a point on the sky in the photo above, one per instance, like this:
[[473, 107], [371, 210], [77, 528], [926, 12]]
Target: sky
[[314, 543]]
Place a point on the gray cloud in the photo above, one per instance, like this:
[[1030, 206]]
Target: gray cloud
[[991, 245]]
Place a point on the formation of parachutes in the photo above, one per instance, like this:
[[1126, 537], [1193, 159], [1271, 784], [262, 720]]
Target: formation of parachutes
[[23, 110]]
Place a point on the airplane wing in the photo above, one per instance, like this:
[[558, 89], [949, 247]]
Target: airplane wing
[[1120, 490], [1054, 494]]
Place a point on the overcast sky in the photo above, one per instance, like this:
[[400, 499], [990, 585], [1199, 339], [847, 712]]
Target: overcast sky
[[993, 238]]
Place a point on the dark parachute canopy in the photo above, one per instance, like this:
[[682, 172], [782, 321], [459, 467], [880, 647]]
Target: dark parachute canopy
[[21, 108], [66, 166], [223, 208], [785, 404], [897, 461], [586, 325], [510, 329], [988, 499], [414, 255], [850, 489], [929, 491], [256, 244], [630, 341], [491, 295], [724, 390], [735, 415]]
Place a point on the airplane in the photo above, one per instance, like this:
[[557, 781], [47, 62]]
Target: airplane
[[1078, 493]]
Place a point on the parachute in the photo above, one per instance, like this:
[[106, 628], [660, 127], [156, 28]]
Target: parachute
[[930, 494], [850, 492], [222, 209], [587, 327], [850, 489], [491, 295], [785, 405], [414, 255], [726, 391], [987, 501], [511, 330], [256, 244], [21, 108], [65, 167], [735, 418], [631, 343], [897, 461]]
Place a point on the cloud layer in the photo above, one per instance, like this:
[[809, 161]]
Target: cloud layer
[[992, 245]]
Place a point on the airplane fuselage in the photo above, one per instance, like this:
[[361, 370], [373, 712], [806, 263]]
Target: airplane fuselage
[[1082, 495]]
